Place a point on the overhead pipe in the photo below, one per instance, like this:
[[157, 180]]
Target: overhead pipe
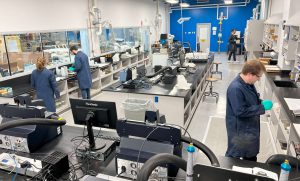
[[238, 4]]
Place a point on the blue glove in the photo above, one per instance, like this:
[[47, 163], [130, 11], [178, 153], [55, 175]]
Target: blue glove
[[267, 104], [72, 69]]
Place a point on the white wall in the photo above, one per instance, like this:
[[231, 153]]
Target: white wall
[[41, 15], [276, 6], [124, 13], [52, 15]]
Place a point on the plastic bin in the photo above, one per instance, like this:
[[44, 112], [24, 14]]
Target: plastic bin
[[135, 109]]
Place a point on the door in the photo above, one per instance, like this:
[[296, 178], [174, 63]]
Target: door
[[203, 37]]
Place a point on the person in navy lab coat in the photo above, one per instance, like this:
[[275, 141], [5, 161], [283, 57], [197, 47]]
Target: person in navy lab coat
[[44, 82], [82, 67], [232, 45], [243, 111]]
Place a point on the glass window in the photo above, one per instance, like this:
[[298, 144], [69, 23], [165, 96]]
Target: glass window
[[4, 68], [74, 38], [106, 39], [55, 47], [23, 51], [145, 38]]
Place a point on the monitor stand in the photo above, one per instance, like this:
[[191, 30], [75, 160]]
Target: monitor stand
[[94, 149], [93, 146]]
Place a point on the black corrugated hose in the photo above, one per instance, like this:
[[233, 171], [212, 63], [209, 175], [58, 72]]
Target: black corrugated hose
[[159, 159], [165, 158], [210, 155], [32, 121]]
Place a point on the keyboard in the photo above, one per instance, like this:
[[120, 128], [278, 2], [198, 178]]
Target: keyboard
[[112, 138]]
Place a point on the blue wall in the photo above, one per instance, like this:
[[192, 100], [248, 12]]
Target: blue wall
[[238, 17]]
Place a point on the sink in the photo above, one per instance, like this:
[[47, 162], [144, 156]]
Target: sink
[[285, 83]]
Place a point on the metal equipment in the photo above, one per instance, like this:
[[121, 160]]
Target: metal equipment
[[30, 137], [133, 151]]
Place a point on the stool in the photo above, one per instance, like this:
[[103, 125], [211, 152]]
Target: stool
[[211, 93], [217, 69]]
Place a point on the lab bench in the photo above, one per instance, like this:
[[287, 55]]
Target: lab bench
[[103, 75], [178, 106], [283, 124]]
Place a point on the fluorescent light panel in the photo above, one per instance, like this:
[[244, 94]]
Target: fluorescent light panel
[[228, 1], [172, 1], [184, 5]]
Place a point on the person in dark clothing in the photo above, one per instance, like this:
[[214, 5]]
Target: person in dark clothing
[[232, 45], [44, 82], [82, 67], [243, 110]]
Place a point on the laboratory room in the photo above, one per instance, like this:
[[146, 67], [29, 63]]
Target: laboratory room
[[150, 90]]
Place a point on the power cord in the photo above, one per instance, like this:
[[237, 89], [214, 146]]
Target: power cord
[[123, 170], [158, 126]]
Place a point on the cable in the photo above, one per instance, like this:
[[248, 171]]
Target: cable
[[123, 170], [15, 175], [183, 129]]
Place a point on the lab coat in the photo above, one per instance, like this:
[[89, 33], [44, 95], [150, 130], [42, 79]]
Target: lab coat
[[232, 42], [82, 68], [243, 112], [45, 85]]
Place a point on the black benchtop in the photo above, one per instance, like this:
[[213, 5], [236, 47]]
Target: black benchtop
[[168, 89], [63, 144], [284, 92]]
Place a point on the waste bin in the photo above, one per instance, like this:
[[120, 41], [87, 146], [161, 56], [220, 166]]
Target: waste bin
[[135, 109]]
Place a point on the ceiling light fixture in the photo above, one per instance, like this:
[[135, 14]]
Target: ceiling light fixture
[[228, 1], [172, 1], [184, 5]]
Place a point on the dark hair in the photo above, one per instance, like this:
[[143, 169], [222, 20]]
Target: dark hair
[[253, 67], [73, 47], [233, 30]]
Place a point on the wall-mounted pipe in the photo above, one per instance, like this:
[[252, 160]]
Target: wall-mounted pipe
[[226, 17]]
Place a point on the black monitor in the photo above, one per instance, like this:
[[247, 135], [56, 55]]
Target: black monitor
[[94, 113]]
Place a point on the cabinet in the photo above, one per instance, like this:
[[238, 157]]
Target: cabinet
[[254, 28], [290, 42], [270, 37]]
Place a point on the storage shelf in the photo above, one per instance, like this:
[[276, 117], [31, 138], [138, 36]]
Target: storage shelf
[[107, 85], [106, 75], [97, 79], [73, 88], [62, 108]]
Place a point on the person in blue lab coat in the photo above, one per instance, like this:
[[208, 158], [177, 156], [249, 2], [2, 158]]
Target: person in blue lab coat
[[243, 111], [82, 67], [44, 82]]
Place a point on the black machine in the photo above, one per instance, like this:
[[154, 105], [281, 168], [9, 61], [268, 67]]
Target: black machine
[[209, 173], [95, 113], [26, 138], [133, 152]]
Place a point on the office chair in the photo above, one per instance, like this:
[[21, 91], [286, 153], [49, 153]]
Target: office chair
[[278, 159]]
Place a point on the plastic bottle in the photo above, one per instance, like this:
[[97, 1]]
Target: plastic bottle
[[285, 170], [189, 168]]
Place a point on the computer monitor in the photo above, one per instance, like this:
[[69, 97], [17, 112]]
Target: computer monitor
[[94, 113]]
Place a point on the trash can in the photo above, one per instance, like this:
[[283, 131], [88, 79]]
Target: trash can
[[135, 109]]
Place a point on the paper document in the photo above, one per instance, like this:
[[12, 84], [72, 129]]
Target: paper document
[[294, 105]]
